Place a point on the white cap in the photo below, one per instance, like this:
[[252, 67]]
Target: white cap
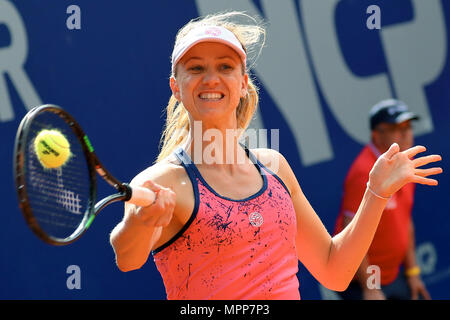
[[204, 34]]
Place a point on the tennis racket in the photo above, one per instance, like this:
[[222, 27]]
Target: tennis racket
[[60, 204]]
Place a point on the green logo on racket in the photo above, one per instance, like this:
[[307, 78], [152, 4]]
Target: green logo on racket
[[88, 143], [89, 222]]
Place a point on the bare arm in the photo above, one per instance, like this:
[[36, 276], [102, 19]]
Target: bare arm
[[362, 275], [132, 244], [136, 235], [333, 261]]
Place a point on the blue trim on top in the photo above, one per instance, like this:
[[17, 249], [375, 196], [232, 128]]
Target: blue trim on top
[[190, 168], [193, 174], [274, 175], [254, 161]]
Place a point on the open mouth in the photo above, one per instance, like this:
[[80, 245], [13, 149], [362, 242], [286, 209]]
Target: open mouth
[[211, 96]]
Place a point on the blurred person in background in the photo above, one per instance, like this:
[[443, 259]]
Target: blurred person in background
[[393, 245]]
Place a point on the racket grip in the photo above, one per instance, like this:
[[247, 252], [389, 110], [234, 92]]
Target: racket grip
[[141, 196]]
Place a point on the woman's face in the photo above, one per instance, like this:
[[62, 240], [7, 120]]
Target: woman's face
[[210, 82]]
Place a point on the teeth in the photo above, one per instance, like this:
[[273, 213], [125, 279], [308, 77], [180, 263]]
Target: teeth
[[210, 96]]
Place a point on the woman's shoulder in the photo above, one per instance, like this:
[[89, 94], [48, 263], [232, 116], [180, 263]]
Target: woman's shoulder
[[276, 163], [165, 173], [270, 158]]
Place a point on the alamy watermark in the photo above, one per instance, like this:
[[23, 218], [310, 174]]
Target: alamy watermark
[[73, 21], [213, 146], [374, 280], [74, 280], [374, 20]]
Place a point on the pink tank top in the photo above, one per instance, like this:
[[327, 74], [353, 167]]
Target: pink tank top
[[233, 249]]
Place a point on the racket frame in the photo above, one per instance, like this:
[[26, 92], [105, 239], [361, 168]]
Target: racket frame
[[93, 164]]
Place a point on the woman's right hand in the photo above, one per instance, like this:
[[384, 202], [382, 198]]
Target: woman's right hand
[[160, 212]]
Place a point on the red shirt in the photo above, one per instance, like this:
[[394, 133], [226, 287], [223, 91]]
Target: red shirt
[[391, 240]]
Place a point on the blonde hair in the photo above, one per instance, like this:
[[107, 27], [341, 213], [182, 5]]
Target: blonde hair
[[251, 35]]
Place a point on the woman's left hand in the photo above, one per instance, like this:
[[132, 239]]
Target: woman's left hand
[[394, 169]]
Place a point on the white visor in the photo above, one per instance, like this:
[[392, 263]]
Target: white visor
[[204, 34]]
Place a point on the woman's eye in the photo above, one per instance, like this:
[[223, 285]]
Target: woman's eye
[[226, 67], [195, 68]]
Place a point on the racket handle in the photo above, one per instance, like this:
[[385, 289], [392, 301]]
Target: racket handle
[[141, 196]]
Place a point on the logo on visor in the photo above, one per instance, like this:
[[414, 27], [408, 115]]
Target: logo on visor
[[213, 31], [256, 219], [395, 109]]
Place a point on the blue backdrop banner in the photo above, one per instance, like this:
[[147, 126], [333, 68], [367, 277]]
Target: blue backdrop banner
[[325, 63]]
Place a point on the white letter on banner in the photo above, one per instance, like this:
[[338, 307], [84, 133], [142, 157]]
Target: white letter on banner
[[374, 280], [416, 54], [74, 20], [74, 280], [374, 20], [286, 74], [12, 61], [349, 97]]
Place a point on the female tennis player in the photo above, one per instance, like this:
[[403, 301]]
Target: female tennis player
[[222, 228]]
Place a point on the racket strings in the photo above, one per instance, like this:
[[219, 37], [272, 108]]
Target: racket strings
[[59, 198]]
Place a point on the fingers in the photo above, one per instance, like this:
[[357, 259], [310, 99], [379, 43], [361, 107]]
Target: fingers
[[163, 221], [411, 152], [420, 175], [428, 172], [165, 198], [393, 149], [160, 212], [426, 181], [152, 186], [418, 290], [414, 294], [426, 160], [425, 294]]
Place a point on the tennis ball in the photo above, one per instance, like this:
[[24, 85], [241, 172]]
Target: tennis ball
[[52, 148]]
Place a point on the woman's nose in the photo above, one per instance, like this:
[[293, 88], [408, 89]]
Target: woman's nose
[[211, 78]]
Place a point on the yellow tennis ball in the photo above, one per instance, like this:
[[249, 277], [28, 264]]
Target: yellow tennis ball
[[52, 148]]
